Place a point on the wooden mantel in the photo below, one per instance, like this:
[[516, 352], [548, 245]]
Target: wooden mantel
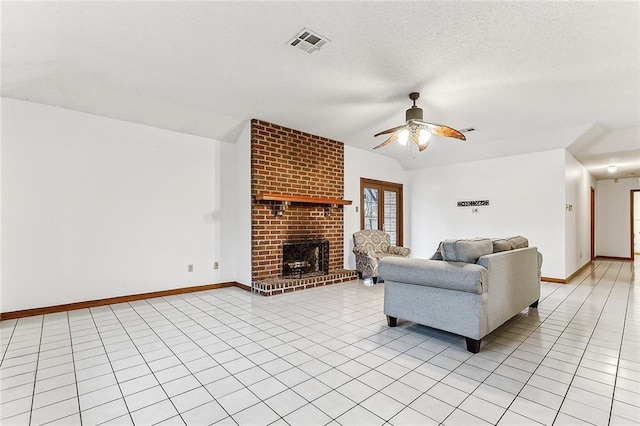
[[282, 201], [298, 199]]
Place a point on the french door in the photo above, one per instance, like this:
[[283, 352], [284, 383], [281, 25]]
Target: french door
[[381, 207]]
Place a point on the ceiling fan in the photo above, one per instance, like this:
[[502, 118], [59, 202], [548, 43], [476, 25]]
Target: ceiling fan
[[419, 131]]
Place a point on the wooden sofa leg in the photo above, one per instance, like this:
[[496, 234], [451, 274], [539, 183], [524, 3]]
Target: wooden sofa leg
[[473, 345], [392, 321], [534, 304]]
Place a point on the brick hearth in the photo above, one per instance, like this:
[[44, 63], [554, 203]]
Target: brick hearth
[[291, 162], [273, 286]]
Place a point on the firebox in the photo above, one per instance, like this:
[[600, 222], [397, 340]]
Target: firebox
[[305, 259]]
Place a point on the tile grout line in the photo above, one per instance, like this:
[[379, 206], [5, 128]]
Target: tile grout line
[[515, 349], [95, 324], [335, 367], [73, 361], [6, 349], [359, 404], [577, 311], [124, 328], [565, 328], [35, 376], [244, 356], [567, 322], [277, 357], [268, 350], [624, 324], [170, 349], [451, 345], [511, 354], [595, 325], [480, 383]]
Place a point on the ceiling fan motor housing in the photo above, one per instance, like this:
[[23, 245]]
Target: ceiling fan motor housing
[[414, 113]]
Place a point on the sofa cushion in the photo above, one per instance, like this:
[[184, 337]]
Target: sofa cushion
[[457, 276], [500, 244], [518, 242], [438, 254], [467, 251]]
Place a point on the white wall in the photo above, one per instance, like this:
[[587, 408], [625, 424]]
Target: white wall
[[1, 210], [526, 195], [613, 221], [361, 163], [94, 207], [578, 183], [235, 208]]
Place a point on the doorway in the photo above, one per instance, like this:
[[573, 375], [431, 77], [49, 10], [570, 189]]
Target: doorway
[[635, 222], [593, 223], [381, 207]]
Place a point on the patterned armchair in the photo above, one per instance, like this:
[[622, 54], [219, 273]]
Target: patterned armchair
[[370, 246]]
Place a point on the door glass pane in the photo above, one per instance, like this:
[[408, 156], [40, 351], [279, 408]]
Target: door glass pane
[[370, 208], [390, 215]]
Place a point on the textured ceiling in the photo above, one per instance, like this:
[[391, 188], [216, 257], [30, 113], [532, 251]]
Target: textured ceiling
[[530, 76]]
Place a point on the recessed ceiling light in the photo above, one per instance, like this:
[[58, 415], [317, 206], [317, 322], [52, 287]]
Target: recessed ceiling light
[[612, 168]]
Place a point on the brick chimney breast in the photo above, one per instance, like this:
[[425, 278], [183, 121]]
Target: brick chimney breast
[[291, 162]]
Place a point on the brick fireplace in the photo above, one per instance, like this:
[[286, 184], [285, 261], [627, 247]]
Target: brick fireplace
[[296, 164]]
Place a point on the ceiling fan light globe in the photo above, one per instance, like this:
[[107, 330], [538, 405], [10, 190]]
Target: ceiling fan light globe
[[423, 137], [403, 136]]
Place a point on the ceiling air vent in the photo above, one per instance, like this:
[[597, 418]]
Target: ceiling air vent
[[308, 41]]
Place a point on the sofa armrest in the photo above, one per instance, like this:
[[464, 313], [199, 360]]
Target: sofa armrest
[[457, 276], [364, 251], [513, 283], [518, 269], [400, 251]]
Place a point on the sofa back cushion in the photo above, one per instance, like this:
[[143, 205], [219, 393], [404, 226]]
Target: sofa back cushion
[[500, 244], [457, 276], [512, 243], [438, 254], [467, 251], [518, 242]]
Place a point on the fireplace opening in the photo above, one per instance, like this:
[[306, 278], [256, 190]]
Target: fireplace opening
[[305, 259]]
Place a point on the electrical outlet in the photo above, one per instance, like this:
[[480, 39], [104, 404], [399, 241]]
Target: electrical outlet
[[190, 268], [216, 265]]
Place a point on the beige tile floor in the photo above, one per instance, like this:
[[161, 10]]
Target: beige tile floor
[[325, 356]]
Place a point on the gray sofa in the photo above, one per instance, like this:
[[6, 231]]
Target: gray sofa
[[469, 287]]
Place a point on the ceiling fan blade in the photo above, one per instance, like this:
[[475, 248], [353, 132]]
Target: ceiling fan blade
[[393, 129], [388, 141], [442, 130]]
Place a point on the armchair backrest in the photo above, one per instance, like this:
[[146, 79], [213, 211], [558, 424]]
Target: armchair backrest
[[373, 239]]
